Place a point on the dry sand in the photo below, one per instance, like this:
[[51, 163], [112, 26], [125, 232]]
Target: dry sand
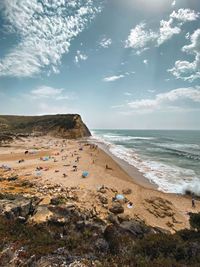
[[168, 211]]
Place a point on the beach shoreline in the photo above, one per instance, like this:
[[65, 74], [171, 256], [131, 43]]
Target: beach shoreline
[[137, 176], [57, 158]]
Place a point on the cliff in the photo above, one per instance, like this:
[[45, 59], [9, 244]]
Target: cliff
[[68, 126]]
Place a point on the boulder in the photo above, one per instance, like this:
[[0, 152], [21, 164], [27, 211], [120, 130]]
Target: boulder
[[103, 199], [136, 228], [123, 217], [102, 190], [55, 220], [114, 235], [13, 206], [112, 218], [63, 210], [117, 208], [56, 201]]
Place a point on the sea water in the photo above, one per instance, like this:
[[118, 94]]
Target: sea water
[[170, 159]]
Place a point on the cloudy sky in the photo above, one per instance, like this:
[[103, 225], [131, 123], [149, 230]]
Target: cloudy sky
[[119, 63]]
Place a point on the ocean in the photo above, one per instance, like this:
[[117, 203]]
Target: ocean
[[168, 158]]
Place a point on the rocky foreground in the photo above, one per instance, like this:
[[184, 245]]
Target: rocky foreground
[[51, 226]]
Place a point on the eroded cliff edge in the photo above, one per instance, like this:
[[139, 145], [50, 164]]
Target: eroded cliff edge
[[68, 126]]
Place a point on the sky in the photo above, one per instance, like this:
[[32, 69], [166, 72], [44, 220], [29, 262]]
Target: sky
[[120, 64]]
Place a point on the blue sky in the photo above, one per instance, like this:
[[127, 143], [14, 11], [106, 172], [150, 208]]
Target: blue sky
[[119, 63]]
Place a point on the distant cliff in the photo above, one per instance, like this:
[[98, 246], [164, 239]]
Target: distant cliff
[[68, 126]]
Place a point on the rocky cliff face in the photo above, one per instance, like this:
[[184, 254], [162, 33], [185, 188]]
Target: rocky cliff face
[[68, 126]]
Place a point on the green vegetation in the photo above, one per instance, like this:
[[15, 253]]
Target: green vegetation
[[25, 124], [151, 250], [195, 220], [70, 125]]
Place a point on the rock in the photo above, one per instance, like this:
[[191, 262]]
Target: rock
[[97, 227], [13, 206], [169, 224], [114, 235], [112, 218], [12, 178], [102, 245], [102, 190], [51, 261], [56, 201], [136, 228], [123, 217], [126, 191], [159, 207], [64, 210], [116, 208], [41, 214], [21, 219], [56, 220], [159, 230], [77, 263], [72, 196], [103, 199]]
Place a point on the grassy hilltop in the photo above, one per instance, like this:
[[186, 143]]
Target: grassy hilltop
[[61, 125]]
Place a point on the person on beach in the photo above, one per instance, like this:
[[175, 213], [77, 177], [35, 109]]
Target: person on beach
[[75, 168], [193, 203], [130, 205], [108, 168]]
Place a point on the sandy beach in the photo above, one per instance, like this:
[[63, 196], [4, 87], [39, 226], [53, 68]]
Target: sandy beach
[[51, 162]]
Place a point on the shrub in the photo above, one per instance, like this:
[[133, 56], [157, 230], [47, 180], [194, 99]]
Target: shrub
[[195, 220]]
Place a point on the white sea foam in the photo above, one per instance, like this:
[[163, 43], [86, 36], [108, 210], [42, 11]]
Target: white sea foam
[[179, 146], [168, 178], [118, 138]]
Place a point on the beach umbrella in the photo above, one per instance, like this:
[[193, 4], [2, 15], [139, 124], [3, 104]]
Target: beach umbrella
[[85, 174], [119, 197]]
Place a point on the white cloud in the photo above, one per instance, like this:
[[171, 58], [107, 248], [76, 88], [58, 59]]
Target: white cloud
[[173, 25], [117, 106], [117, 77], [48, 92], [141, 38], [113, 78], [185, 15], [186, 70], [187, 36], [127, 94], [173, 3], [166, 99], [167, 31], [80, 57], [45, 29], [151, 91], [105, 42], [145, 61]]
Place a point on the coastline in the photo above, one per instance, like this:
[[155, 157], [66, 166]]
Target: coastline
[[132, 171], [158, 209]]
